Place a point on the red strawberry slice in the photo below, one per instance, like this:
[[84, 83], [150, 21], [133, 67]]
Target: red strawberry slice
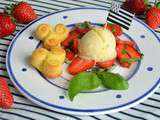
[[133, 53], [6, 98], [80, 65], [67, 41], [114, 28], [122, 54], [70, 55], [125, 42], [127, 55], [106, 64]]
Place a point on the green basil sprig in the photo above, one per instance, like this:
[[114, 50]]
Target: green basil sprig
[[91, 80], [83, 82]]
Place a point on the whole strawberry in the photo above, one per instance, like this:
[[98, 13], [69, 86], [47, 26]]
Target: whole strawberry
[[136, 6], [6, 98], [23, 12], [7, 26], [153, 16]]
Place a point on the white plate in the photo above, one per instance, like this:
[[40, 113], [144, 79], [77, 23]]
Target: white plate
[[144, 77]]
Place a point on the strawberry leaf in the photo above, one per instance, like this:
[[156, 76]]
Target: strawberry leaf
[[146, 2], [158, 5], [84, 25]]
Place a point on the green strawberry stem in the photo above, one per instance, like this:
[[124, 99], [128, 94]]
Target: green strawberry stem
[[146, 2], [158, 5], [8, 9]]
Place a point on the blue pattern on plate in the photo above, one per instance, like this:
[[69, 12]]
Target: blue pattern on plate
[[142, 36], [150, 68], [24, 69], [61, 97], [65, 17], [118, 96]]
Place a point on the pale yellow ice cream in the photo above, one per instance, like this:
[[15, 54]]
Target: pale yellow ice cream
[[98, 44]]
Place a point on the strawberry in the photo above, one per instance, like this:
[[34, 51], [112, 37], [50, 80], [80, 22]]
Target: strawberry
[[122, 54], [123, 42], [153, 16], [82, 28], [22, 12], [71, 42], [106, 64], [136, 6], [127, 55], [114, 28], [67, 41], [75, 45], [7, 26], [6, 98], [80, 65], [70, 55]]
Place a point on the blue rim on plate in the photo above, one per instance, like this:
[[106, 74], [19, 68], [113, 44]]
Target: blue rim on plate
[[16, 83]]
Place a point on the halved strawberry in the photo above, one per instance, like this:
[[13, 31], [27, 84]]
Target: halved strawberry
[[82, 28], [75, 45], [133, 53], [114, 28], [125, 42], [106, 64], [68, 40], [127, 55], [70, 55], [122, 54], [80, 65]]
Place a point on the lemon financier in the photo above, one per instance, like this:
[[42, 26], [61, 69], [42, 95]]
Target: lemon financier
[[37, 58], [43, 31], [51, 43], [48, 62], [62, 31], [59, 53], [49, 59], [51, 67], [51, 37]]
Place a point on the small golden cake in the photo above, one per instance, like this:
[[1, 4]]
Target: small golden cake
[[43, 31], [59, 53], [51, 67], [50, 43], [37, 58], [62, 31]]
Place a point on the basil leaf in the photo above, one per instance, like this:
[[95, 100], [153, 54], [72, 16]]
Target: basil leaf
[[97, 69], [113, 81], [84, 25], [110, 69], [83, 82], [130, 60], [124, 50]]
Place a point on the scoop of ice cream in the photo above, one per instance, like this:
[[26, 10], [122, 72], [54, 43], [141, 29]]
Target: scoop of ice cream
[[98, 44]]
